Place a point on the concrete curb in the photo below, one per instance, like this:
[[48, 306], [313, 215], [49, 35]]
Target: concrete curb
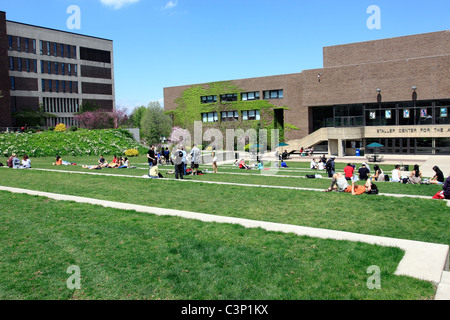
[[422, 260]]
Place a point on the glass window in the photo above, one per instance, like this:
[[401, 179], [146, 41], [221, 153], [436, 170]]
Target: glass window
[[62, 51], [18, 44], [273, 94], [48, 48], [68, 51], [64, 86], [69, 72], [228, 97], [57, 85], [41, 46], [250, 96], [55, 49], [26, 45], [34, 46], [13, 83], [75, 70], [11, 63], [43, 85], [209, 117], [10, 42], [56, 67], [251, 115], [50, 85], [63, 71], [209, 99], [28, 65], [49, 66], [35, 65]]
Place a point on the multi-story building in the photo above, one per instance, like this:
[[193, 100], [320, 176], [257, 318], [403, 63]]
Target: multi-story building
[[393, 91], [53, 72]]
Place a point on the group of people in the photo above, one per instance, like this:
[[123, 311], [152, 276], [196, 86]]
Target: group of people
[[116, 162], [15, 163], [179, 158]]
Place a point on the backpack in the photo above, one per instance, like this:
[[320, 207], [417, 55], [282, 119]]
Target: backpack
[[311, 176], [386, 178]]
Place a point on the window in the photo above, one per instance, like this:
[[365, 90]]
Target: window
[[70, 86], [228, 97], [43, 85], [26, 46], [50, 85], [48, 48], [69, 69], [75, 70], [209, 99], [28, 65], [64, 86], [250, 96], [250, 115], [62, 51], [55, 49], [35, 65], [49, 67], [68, 51], [56, 67], [210, 117], [41, 46], [273, 94], [13, 83], [230, 116], [34, 46], [57, 85], [10, 40], [63, 71], [74, 52], [20, 64], [11, 63], [18, 44]]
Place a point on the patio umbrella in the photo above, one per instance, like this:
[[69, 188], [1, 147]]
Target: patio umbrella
[[375, 145], [282, 144]]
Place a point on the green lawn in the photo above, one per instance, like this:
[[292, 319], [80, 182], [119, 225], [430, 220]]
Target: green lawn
[[204, 249]]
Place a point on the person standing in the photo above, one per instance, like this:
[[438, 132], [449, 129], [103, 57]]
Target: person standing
[[151, 155], [195, 158], [214, 160], [330, 167], [178, 160], [184, 160]]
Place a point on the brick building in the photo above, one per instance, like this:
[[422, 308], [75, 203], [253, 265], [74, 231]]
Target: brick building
[[392, 91], [54, 70]]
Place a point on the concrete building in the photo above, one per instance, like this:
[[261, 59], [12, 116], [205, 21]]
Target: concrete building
[[393, 91], [54, 70]]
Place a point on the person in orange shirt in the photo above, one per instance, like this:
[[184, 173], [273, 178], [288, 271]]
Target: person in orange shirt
[[58, 161]]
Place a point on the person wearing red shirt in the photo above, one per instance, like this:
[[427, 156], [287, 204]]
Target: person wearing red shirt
[[349, 171]]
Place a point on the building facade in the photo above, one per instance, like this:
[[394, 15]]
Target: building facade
[[393, 91], [53, 72]]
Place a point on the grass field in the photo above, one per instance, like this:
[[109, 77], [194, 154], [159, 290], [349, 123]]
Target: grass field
[[127, 255]]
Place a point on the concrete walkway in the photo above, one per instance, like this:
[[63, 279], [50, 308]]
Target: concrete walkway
[[424, 261]]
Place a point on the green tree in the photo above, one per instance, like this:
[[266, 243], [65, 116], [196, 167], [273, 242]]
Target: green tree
[[136, 116], [155, 123]]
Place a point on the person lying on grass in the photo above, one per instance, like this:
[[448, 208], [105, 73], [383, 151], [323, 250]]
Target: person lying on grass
[[340, 184]]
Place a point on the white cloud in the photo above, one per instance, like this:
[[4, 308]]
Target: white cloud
[[117, 4], [171, 4]]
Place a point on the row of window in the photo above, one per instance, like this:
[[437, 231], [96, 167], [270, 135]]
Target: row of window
[[45, 47], [59, 86], [28, 65], [227, 116], [68, 121], [246, 96], [59, 68]]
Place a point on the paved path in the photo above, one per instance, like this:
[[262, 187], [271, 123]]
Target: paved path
[[422, 260]]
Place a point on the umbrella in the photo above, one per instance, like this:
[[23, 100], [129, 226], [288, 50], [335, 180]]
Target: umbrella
[[374, 145], [255, 146], [282, 144]]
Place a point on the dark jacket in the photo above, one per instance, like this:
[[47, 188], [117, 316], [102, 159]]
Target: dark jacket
[[446, 188]]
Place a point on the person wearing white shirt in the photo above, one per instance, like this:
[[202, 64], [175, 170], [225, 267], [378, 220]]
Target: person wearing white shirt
[[26, 162], [396, 175]]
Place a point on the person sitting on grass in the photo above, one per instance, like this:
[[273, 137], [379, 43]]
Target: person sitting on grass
[[379, 174], [26, 162], [153, 172], [446, 188], [102, 162], [340, 184], [283, 164], [260, 166], [125, 164], [242, 165], [114, 163], [415, 176], [349, 170], [438, 178], [363, 172]]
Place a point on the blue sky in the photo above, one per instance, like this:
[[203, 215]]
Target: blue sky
[[163, 43]]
